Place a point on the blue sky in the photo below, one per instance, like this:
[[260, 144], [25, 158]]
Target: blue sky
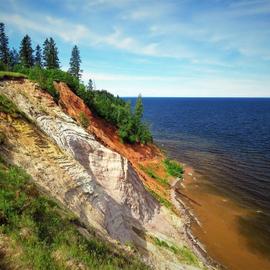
[[156, 48]]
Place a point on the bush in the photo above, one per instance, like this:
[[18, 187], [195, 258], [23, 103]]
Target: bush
[[173, 168], [46, 77]]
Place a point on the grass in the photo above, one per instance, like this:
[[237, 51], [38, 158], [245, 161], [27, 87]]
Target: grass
[[186, 255], [8, 106], [149, 171], [9, 74], [46, 234], [83, 120], [173, 168]]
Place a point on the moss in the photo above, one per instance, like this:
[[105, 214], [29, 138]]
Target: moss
[[47, 234]]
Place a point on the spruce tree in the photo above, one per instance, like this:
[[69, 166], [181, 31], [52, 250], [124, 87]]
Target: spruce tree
[[26, 52], [75, 61], [138, 113], [38, 61], [50, 54], [14, 57], [90, 85], [4, 50]]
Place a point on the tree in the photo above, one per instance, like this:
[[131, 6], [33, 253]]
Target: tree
[[50, 54], [38, 60], [75, 62], [26, 52], [90, 86], [138, 112], [14, 57], [4, 51]]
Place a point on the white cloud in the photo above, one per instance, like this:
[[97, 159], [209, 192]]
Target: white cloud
[[69, 32]]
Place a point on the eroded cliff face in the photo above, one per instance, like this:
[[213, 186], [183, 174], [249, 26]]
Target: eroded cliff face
[[96, 183], [140, 156]]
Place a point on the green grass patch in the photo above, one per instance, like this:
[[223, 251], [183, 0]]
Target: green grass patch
[[8, 106], [150, 172], [186, 255], [173, 168], [11, 75], [46, 233]]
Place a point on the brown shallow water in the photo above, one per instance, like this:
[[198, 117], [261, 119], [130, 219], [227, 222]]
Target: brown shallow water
[[219, 229]]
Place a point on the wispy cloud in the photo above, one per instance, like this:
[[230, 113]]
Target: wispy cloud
[[49, 25], [152, 42]]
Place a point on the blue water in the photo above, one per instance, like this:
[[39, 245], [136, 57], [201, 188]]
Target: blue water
[[226, 140]]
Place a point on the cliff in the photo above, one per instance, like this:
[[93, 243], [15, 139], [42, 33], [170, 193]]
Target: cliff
[[91, 172]]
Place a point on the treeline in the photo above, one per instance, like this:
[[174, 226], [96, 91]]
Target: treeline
[[42, 65]]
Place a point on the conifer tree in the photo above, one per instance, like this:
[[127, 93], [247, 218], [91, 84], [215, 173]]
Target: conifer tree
[[4, 50], [90, 86], [26, 52], [38, 60], [14, 57], [50, 54], [138, 113], [75, 62]]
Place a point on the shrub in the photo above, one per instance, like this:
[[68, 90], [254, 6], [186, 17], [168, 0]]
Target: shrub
[[173, 168]]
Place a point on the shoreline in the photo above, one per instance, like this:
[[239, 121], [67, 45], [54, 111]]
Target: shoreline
[[189, 220]]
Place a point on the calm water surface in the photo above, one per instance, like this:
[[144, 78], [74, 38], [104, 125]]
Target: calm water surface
[[228, 142]]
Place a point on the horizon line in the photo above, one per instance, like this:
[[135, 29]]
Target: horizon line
[[268, 97]]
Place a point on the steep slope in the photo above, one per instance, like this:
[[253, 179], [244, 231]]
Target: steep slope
[[96, 183], [140, 156]]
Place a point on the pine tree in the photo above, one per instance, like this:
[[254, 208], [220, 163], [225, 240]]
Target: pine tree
[[4, 51], [38, 61], [75, 61], [50, 54], [14, 57], [90, 86], [138, 113], [26, 52]]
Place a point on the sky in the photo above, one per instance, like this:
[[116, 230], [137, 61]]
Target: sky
[[178, 48]]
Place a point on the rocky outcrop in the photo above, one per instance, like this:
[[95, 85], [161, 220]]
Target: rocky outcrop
[[96, 183]]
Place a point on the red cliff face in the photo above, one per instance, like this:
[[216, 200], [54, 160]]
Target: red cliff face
[[106, 133]]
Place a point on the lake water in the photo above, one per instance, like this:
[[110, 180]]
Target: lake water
[[227, 142]]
